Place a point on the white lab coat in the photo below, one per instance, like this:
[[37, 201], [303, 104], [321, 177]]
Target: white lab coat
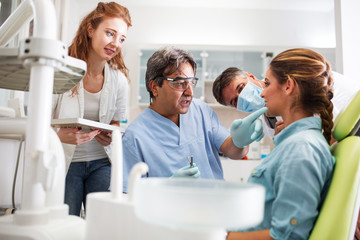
[[112, 105]]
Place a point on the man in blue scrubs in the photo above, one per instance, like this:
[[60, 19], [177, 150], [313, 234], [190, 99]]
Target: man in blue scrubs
[[176, 128]]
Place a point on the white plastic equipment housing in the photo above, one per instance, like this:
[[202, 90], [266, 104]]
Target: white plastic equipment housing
[[44, 166]]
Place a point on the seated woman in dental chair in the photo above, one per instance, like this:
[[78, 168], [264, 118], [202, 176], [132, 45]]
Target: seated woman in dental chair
[[297, 173]]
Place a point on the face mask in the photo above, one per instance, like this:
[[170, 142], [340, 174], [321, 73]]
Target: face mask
[[249, 99]]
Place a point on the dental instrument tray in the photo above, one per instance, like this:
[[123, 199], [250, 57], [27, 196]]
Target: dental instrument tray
[[15, 76], [84, 124]]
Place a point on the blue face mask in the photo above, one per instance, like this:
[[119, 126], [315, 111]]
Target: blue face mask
[[249, 99]]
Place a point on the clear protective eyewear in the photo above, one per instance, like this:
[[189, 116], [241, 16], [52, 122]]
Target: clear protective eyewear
[[182, 83]]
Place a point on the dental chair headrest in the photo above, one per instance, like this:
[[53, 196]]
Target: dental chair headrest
[[347, 122]]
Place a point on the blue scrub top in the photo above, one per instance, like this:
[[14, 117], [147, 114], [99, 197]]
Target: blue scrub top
[[165, 147], [296, 176]]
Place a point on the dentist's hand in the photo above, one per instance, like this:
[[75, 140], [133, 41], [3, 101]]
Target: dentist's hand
[[187, 172], [245, 131]]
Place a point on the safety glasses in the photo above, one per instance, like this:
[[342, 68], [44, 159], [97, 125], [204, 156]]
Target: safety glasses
[[181, 83]]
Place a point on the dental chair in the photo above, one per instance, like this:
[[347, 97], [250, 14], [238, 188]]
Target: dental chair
[[338, 216]]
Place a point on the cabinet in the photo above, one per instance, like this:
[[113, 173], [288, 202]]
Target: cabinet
[[210, 64], [238, 170], [215, 62], [143, 95]]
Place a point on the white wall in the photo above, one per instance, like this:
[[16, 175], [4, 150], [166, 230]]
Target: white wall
[[227, 27], [348, 36], [155, 26], [209, 26]]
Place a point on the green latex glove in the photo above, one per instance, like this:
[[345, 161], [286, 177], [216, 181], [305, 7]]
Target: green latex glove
[[245, 131], [187, 172]]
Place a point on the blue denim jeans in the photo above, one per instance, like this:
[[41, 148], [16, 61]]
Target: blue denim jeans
[[83, 178]]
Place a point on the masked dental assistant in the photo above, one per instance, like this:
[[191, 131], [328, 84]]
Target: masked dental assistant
[[242, 90]]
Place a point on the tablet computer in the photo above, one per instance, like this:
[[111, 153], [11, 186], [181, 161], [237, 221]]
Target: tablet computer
[[84, 124]]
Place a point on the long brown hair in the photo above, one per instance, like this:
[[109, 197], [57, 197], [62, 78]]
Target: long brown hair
[[81, 44], [312, 74]]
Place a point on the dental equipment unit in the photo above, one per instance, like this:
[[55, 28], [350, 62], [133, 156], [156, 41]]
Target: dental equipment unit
[[43, 214]]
